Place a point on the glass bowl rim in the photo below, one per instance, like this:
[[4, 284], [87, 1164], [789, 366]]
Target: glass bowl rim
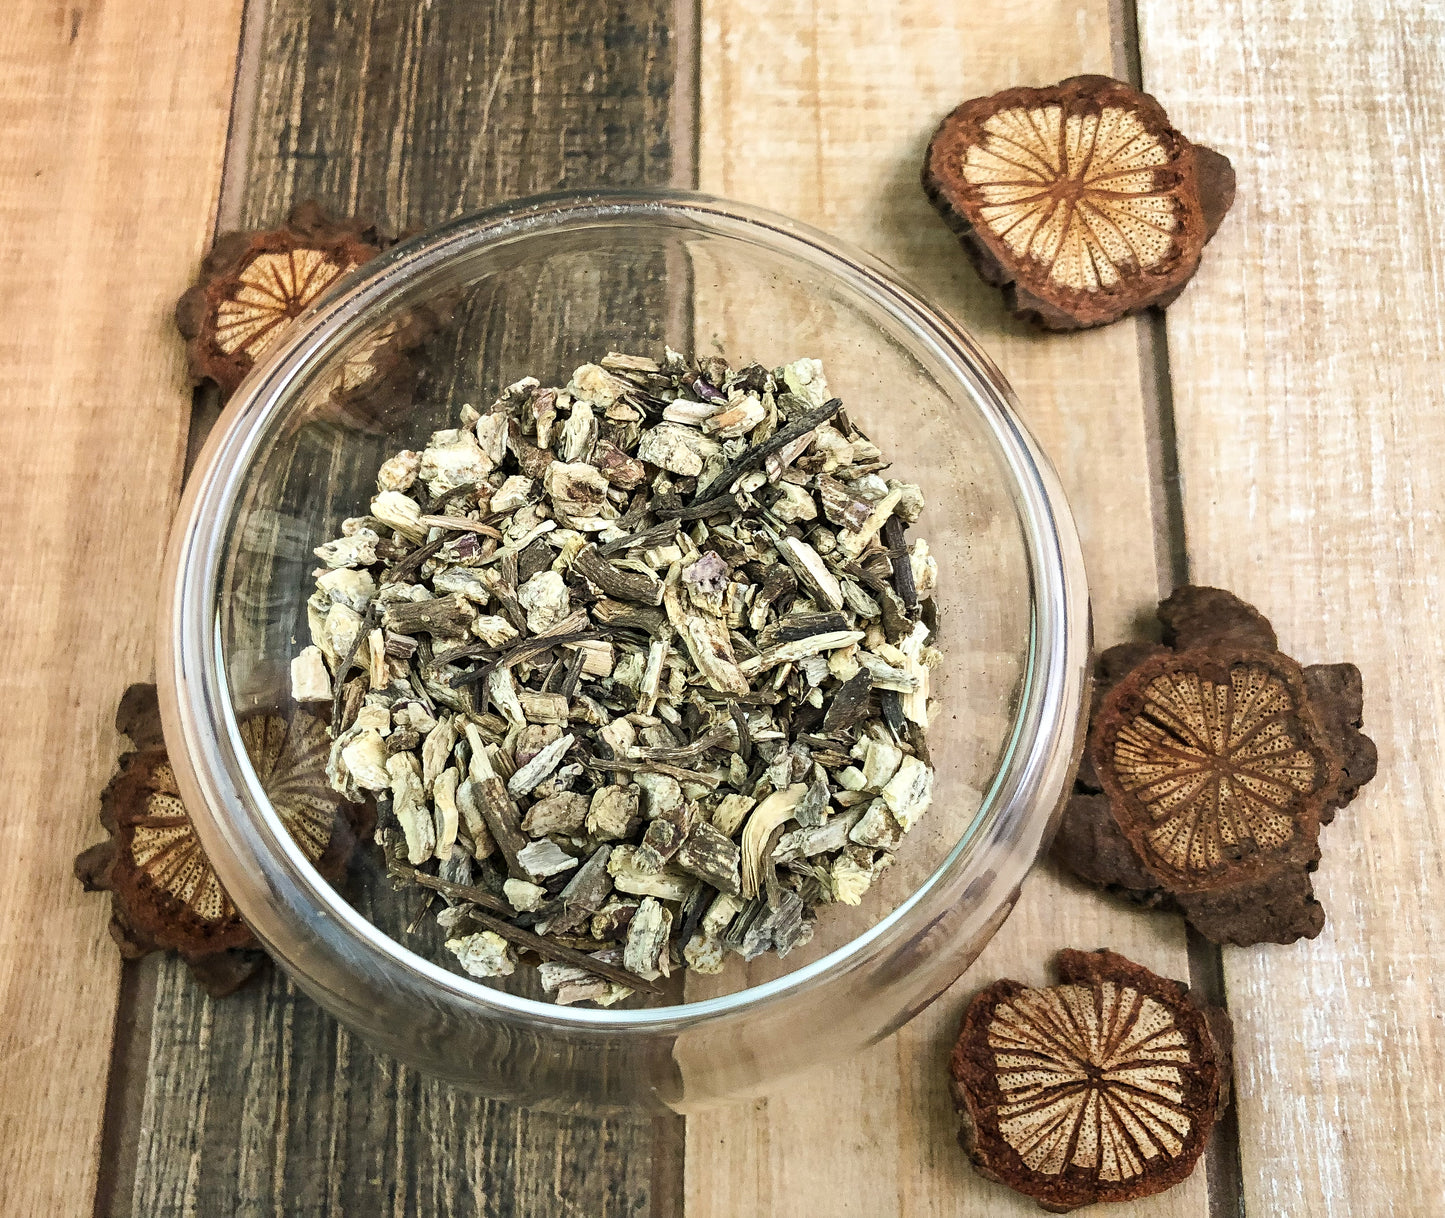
[[190, 662]]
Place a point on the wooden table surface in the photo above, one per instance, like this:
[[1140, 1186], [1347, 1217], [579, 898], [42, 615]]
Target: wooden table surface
[[1279, 433]]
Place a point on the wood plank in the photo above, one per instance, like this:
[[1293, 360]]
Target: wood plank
[[319, 1125], [409, 111], [109, 169], [823, 112], [1308, 361]]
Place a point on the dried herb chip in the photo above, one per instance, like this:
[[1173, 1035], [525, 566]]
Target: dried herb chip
[[652, 713], [164, 893], [1212, 763], [1081, 201], [253, 284], [1104, 1087]]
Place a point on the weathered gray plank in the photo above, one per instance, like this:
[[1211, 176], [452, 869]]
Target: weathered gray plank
[[409, 111], [414, 112]]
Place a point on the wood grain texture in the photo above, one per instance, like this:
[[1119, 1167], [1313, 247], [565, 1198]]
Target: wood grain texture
[[823, 112], [414, 111], [109, 166], [407, 111], [1308, 364], [263, 1105]]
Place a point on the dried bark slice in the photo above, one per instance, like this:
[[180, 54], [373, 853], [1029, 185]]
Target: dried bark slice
[[1221, 826], [166, 896], [164, 892], [1104, 1087], [1091, 844], [1337, 694], [1211, 617], [253, 284], [289, 757], [1081, 201], [1280, 908], [1213, 765]]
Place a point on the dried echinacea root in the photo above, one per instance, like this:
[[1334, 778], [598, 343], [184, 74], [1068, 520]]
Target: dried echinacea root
[[1081, 201], [164, 892], [1104, 1087], [637, 669], [1212, 763]]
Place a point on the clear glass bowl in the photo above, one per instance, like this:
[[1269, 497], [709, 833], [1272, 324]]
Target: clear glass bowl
[[536, 288]]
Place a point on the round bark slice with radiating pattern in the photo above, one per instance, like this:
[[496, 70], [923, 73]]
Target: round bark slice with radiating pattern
[[1211, 747], [1214, 765], [1102, 1088], [1080, 200], [254, 284], [165, 894], [289, 756]]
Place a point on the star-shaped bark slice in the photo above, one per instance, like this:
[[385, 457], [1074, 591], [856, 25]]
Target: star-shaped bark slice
[[1081, 200], [254, 284], [1212, 763], [1102, 1088], [164, 893]]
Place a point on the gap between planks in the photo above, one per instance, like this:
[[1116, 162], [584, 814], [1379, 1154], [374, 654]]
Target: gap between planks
[[244, 90], [235, 168], [1171, 551], [667, 1197], [686, 86]]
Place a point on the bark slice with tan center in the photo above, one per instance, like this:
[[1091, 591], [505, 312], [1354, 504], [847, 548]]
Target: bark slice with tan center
[[1080, 200], [1214, 766], [289, 756], [164, 893], [1212, 763], [1104, 1087], [254, 284]]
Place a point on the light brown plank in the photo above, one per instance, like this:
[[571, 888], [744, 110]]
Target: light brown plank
[[113, 118], [1308, 368], [823, 112]]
